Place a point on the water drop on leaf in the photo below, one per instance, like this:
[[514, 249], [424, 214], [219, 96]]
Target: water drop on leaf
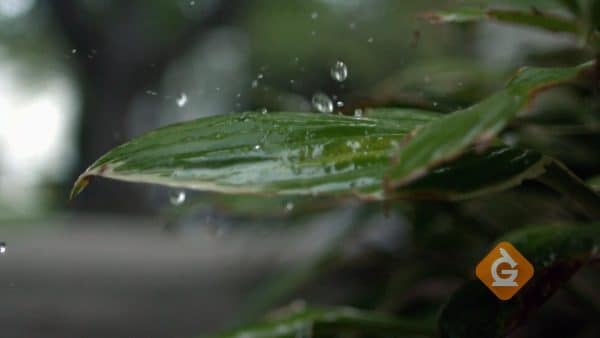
[[322, 103]]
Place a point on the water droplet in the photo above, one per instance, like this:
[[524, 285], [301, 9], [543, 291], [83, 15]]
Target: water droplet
[[358, 112], [322, 103], [182, 100], [435, 104], [260, 76], [292, 81], [176, 196], [263, 111], [289, 206], [314, 15], [339, 104], [370, 40], [339, 71], [192, 3], [73, 51], [151, 92], [254, 83], [257, 147], [2, 248]]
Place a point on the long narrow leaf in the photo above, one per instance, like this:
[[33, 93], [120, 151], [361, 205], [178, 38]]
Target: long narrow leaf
[[448, 137], [305, 154], [555, 252], [323, 322]]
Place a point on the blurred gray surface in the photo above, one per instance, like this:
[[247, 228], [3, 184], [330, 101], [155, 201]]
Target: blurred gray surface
[[84, 276]]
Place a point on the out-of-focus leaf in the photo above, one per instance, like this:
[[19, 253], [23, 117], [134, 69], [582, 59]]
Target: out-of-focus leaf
[[531, 18], [323, 322], [561, 179], [556, 253], [449, 136], [594, 183], [305, 154], [432, 83], [572, 5]]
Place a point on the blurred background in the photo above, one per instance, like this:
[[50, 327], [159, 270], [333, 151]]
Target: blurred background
[[128, 260]]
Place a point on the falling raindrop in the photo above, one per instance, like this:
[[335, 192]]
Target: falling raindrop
[[151, 92], [322, 103], [263, 111], [182, 100], [260, 76], [370, 40], [257, 147], [289, 206], [254, 83], [340, 104], [314, 15], [358, 112], [339, 71], [176, 196], [2, 248], [73, 51]]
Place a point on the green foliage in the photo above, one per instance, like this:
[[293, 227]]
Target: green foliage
[[391, 154], [556, 253], [322, 322]]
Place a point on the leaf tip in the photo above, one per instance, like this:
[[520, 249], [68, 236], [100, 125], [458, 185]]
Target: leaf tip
[[79, 186]]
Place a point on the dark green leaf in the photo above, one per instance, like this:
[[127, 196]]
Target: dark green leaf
[[556, 254], [322, 322]]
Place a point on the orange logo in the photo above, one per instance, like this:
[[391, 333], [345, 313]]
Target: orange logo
[[504, 270]]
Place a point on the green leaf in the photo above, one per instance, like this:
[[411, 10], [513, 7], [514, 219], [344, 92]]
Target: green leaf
[[555, 252], [274, 153], [533, 18], [322, 322], [305, 154], [448, 137]]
